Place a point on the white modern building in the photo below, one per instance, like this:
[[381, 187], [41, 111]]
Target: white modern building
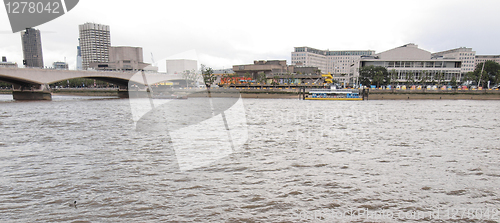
[[466, 55], [180, 65], [411, 64], [95, 42], [344, 62]]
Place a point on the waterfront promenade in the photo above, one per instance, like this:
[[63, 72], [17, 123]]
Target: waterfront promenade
[[293, 93]]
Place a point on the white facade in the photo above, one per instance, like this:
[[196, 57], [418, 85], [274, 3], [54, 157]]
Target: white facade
[[466, 55], [333, 62], [95, 42], [411, 64], [484, 58], [180, 65]]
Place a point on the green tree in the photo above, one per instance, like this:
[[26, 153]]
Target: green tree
[[289, 77], [81, 82], [5, 85], [208, 75], [189, 76], [440, 78], [411, 78], [393, 76], [497, 78], [423, 78], [469, 76], [261, 78], [247, 75], [453, 81], [376, 75], [275, 80], [433, 79], [378, 78], [490, 73]]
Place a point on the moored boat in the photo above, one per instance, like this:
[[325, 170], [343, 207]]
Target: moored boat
[[334, 94]]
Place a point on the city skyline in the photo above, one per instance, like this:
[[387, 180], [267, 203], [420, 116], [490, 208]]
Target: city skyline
[[223, 34]]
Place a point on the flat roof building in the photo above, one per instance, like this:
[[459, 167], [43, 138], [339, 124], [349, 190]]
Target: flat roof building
[[6, 63], [228, 71], [58, 65], [95, 41], [466, 55], [262, 66], [32, 48], [483, 58], [122, 58], [180, 65], [410, 64], [327, 61]]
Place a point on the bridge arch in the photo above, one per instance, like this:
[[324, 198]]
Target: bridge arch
[[17, 81], [27, 76], [32, 83]]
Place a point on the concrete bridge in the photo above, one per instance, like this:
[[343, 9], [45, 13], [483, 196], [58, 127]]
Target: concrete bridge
[[33, 83]]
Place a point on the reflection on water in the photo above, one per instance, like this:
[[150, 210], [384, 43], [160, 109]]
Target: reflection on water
[[300, 157]]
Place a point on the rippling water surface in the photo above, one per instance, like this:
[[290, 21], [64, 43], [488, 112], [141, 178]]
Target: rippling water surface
[[301, 157]]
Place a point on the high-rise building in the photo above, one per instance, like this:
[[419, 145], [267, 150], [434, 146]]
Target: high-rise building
[[79, 58], [32, 48], [95, 42]]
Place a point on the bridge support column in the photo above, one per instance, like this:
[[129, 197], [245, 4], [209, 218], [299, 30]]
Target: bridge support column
[[31, 92], [123, 92]]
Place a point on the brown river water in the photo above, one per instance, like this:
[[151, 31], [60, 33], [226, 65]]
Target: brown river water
[[288, 161]]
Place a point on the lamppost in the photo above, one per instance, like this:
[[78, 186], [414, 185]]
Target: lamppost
[[351, 73]]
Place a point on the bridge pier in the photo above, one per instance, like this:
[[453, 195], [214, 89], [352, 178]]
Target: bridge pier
[[31, 83], [123, 94], [31, 92]]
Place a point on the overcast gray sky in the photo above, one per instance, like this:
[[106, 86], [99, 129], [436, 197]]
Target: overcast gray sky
[[223, 33]]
